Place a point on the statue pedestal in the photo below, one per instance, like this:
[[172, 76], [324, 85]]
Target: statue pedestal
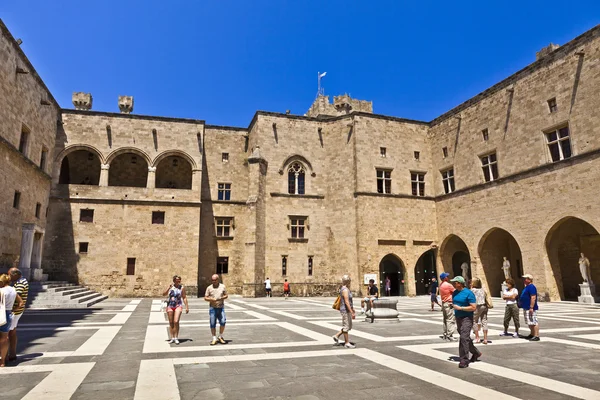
[[504, 287], [588, 293], [384, 310]]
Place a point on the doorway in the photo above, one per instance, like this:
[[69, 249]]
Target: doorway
[[424, 271], [392, 267]]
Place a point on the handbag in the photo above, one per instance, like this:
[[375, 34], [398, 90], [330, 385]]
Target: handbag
[[337, 303], [488, 301], [2, 309]]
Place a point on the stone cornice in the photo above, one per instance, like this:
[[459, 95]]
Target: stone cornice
[[394, 195], [163, 203], [24, 158], [131, 116]]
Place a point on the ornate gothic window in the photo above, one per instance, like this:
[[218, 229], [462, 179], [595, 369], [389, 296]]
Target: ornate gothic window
[[296, 176]]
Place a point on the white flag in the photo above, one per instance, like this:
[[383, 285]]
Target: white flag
[[322, 75]]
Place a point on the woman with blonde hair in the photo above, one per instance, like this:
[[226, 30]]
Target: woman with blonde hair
[[175, 302], [8, 297], [347, 312], [480, 318]]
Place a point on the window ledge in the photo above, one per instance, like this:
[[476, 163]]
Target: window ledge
[[300, 196], [224, 237], [298, 240]]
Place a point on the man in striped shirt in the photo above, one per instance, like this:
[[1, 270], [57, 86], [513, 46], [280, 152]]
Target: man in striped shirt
[[22, 288]]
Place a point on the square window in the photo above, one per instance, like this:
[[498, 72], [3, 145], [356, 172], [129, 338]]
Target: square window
[[445, 152], [552, 106], [38, 208], [417, 155], [17, 200], [224, 226], [489, 164], [86, 215], [131, 266], [310, 265], [559, 144], [222, 265], [448, 180], [83, 247], [158, 217], [382, 152], [283, 265], [297, 227], [225, 157], [384, 181], [417, 180], [485, 134], [224, 191], [43, 158]]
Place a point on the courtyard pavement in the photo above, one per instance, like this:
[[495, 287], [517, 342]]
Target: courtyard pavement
[[282, 349]]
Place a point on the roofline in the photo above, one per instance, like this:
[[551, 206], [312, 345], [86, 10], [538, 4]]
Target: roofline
[[32, 71], [557, 54], [226, 128], [130, 116]]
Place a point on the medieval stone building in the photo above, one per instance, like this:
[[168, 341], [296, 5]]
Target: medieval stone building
[[120, 202]]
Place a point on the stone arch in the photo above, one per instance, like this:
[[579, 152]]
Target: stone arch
[[565, 241], [128, 168], [494, 245], [178, 153], [453, 253], [296, 157], [425, 269], [296, 169], [122, 150], [174, 170], [392, 266], [80, 165]]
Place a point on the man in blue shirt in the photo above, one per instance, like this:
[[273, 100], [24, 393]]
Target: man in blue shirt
[[528, 302], [464, 304]]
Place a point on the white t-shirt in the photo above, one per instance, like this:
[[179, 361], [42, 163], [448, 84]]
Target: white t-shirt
[[511, 292], [10, 295], [268, 284]]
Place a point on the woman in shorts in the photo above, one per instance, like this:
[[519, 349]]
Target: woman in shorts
[[8, 296], [480, 318], [175, 301], [347, 313]]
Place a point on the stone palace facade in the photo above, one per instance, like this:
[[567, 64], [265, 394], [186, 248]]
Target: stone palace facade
[[120, 202]]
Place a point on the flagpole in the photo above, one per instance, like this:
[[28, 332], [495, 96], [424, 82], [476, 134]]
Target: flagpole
[[318, 84]]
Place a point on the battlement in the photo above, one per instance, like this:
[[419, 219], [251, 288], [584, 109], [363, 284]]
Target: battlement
[[342, 105]]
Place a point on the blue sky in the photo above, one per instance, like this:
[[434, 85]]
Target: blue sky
[[222, 60]]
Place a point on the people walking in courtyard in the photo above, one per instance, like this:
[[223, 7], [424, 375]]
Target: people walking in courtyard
[[8, 298], [434, 292], [347, 312], [388, 286], [216, 296], [528, 302], [464, 304], [446, 289], [175, 301], [366, 303], [480, 317], [268, 287], [512, 310], [286, 289], [22, 287]]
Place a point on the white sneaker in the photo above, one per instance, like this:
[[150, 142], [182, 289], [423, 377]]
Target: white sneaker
[[349, 346], [515, 335], [176, 341], [335, 339], [171, 341]]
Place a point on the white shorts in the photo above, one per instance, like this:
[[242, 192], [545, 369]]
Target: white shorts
[[15, 321], [530, 321]]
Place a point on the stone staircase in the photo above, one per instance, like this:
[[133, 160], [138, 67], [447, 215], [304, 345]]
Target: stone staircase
[[59, 294]]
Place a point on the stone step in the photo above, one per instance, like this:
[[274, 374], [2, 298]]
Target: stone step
[[61, 294]]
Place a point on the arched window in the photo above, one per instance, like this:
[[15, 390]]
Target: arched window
[[128, 169], [174, 172], [80, 167], [296, 177]]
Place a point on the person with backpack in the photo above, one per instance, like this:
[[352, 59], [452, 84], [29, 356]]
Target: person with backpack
[[347, 312], [480, 317]]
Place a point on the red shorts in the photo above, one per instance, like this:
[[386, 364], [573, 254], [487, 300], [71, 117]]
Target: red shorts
[[172, 309]]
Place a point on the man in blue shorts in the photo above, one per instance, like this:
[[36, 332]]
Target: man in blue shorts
[[216, 295]]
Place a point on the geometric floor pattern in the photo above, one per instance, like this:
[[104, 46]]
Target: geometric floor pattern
[[282, 349]]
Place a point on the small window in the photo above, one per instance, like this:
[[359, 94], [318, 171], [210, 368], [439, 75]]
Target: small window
[[485, 134], [43, 158], [222, 265], [83, 247], [383, 152], [133, 159], [224, 191], [91, 158], [445, 152], [417, 155], [17, 200], [448, 180], [297, 227], [559, 144], [224, 226], [384, 181], [418, 183], [86, 215], [552, 105], [175, 162], [310, 265], [283, 265], [131, 266], [225, 157], [158, 217], [38, 209], [489, 164], [24, 140], [296, 178]]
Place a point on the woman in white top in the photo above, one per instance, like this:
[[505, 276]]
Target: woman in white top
[[8, 296], [512, 310], [480, 318]]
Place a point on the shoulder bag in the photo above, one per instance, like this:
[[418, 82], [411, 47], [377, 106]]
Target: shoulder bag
[[338, 302]]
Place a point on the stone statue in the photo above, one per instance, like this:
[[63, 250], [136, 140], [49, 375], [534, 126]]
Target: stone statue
[[506, 268], [584, 268], [465, 270]]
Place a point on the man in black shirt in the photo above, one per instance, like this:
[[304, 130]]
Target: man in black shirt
[[372, 294], [433, 291]]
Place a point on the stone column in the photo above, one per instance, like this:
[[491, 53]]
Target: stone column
[[104, 174], [196, 179], [28, 232], [151, 182]]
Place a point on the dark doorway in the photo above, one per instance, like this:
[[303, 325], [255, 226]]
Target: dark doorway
[[393, 268], [495, 245], [424, 271], [458, 259]]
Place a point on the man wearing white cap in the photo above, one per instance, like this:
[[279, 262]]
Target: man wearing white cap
[[528, 302]]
